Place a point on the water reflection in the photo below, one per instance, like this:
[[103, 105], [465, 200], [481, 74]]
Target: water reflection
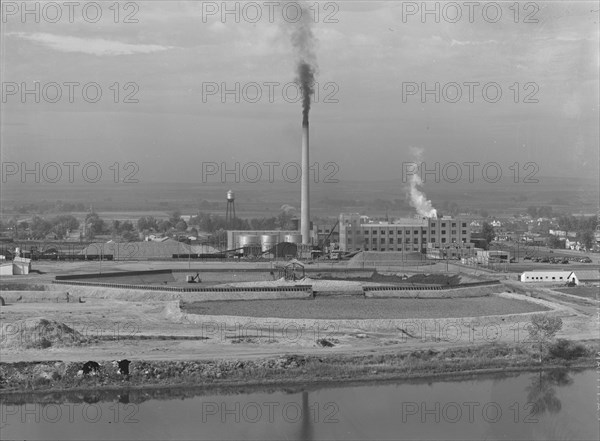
[[306, 428], [541, 391], [543, 405]]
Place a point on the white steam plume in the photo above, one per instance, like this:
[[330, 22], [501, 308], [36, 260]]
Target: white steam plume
[[417, 198]]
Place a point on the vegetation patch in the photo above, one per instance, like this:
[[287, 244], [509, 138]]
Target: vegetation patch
[[284, 369]]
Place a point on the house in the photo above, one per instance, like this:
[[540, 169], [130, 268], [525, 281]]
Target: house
[[549, 276]]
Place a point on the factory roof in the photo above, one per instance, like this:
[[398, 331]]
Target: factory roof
[[409, 222]]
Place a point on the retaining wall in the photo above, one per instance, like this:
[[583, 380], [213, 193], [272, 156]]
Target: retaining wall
[[158, 293], [476, 289], [113, 274]]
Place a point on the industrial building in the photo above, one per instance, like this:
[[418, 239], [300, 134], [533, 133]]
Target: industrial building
[[412, 234], [485, 257]]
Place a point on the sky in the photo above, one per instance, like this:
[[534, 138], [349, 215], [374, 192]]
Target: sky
[[373, 59]]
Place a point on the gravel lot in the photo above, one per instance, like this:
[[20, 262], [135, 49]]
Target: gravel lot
[[361, 308]]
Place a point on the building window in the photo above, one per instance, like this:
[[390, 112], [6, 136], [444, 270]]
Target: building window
[[443, 240], [399, 240], [432, 240], [443, 224], [433, 224], [415, 240], [453, 231], [382, 241], [464, 231], [391, 240], [464, 225], [415, 231], [374, 231], [443, 231], [453, 224]]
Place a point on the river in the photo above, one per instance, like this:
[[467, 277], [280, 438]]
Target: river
[[549, 405]]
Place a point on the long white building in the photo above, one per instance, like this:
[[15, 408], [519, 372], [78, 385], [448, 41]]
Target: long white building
[[549, 276]]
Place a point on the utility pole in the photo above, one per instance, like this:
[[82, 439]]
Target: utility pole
[[446, 250]]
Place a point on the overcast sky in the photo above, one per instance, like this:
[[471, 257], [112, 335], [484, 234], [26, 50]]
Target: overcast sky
[[368, 54]]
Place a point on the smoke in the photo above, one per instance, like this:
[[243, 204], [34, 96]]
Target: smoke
[[303, 42], [417, 198]]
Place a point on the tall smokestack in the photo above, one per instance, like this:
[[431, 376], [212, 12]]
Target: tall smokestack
[[303, 42], [304, 192]]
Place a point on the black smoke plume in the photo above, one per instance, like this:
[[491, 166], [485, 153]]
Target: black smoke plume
[[303, 42]]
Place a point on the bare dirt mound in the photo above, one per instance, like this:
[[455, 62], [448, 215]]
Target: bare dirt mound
[[39, 333]]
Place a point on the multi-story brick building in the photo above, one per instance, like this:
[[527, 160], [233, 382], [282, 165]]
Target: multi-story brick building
[[415, 234]]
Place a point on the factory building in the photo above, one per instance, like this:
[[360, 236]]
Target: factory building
[[412, 234]]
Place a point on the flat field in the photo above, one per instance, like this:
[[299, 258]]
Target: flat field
[[589, 292], [343, 307]]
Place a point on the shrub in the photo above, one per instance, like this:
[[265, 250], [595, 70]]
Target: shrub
[[568, 350]]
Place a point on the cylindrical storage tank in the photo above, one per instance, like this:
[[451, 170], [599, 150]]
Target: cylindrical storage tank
[[293, 238], [248, 242], [268, 241]]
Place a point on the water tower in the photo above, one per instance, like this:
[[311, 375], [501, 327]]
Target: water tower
[[230, 212]]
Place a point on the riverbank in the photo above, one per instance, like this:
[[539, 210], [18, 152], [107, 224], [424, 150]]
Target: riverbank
[[287, 370]]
